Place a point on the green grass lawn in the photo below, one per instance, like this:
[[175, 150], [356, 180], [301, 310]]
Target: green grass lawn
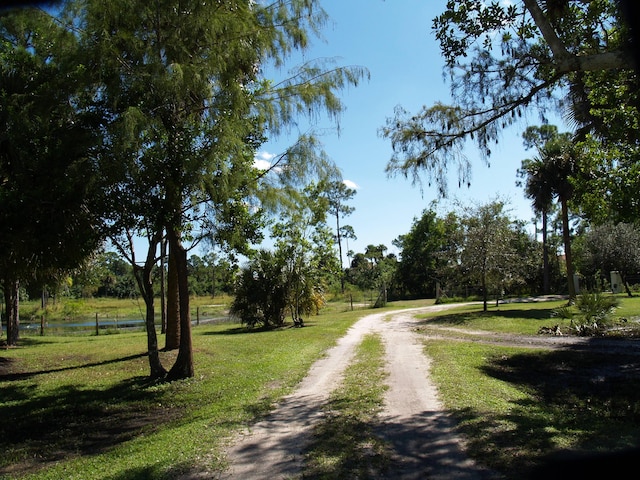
[[81, 406], [74, 405], [519, 407], [524, 318]]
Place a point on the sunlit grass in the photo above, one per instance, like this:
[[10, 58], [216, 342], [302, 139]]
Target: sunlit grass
[[519, 318], [82, 407], [517, 406]]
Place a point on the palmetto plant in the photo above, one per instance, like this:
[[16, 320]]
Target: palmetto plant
[[590, 314]]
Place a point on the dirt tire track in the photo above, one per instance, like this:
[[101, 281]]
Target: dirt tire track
[[413, 421]]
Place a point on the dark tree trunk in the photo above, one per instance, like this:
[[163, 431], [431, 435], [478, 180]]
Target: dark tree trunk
[[172, 338], [145, 284], [183, 366], [546, 284], [626, 284], [12, 311], [485, 294], [156, 368], [566, 236], [163, 286]]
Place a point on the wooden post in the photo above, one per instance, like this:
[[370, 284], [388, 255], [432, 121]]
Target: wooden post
[[97, 325], [43, 305]]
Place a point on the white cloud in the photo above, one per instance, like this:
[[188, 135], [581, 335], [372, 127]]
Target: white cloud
[[351, 185], [262, 160]]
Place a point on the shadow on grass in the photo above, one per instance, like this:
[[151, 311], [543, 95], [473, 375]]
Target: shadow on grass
[[603, 384], [589, 399], [245, 330], [29, 341], [461, 319], [45, 426], [12, 376], [344, 446], [68, 421], [532, 314], [160, 472]]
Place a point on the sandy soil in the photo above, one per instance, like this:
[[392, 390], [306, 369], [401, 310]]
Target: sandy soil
[[414, 423]]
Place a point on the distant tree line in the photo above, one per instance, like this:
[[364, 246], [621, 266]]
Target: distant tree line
[[107, 274]]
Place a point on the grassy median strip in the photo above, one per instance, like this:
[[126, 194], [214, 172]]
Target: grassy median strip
[[344, 444]]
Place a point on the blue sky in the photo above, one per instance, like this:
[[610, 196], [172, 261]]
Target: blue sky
[[394, 41]]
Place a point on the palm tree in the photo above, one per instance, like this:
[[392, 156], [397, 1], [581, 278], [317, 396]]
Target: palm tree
[[537, 188], [548, 177], [560, 159]]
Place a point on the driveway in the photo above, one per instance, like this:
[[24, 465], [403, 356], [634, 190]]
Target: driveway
[[414, 423]]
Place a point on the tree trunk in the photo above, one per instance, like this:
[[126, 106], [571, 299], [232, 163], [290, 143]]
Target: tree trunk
[[567, 249], [183, 366], [172, 338], [163, 286], [155, 365], [12, 310], [339, 249], [546, 287], [626, 284], [145, 285], [485, 295]]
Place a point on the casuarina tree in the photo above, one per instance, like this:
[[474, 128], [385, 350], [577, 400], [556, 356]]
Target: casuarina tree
[[49, 132], [507, 58], [183, 84]]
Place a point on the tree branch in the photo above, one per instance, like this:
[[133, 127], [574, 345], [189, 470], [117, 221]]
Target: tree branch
[[567, 62]]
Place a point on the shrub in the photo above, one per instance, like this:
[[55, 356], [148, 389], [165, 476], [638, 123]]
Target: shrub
[[593, 312]]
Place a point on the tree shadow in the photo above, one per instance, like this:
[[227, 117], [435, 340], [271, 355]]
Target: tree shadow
[[6, 375], [461, 319], [29, 341], [592, 382], [160, 472], [248, 330], [71, 421], [427, 445], [532, 314], [591, 396]]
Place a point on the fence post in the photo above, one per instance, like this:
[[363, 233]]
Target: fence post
[[97, 325]]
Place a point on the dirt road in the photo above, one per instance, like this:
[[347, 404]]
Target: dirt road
[[413, 421]]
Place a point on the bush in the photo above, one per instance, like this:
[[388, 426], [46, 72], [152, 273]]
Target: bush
[[596, 307], [593, 313], [268, 289], [261, 292]]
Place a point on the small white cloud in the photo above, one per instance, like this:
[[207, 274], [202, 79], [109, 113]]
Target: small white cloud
[[351, 185], [262, 160], [261, 164]]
